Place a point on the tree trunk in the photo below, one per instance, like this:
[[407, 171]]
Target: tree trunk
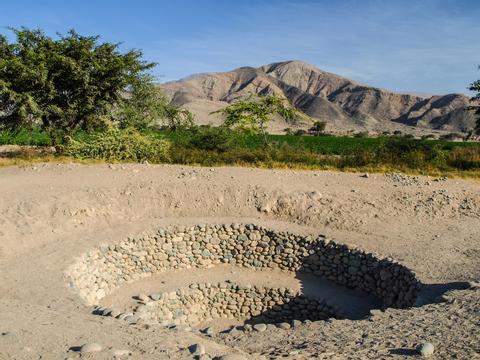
[[264, 133]]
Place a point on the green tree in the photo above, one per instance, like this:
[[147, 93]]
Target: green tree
[[177, 118], [146, 105], [143, 106], [66, 83], [318, 128], [475, 86], [254, 113]]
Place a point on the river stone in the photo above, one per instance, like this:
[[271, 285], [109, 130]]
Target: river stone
[[426, 349], [284, 326], [260, 327], [90, 348], [242, 237]]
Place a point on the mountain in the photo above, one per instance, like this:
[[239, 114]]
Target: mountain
[[343, 103]]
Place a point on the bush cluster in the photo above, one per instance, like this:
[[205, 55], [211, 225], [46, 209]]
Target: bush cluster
[[119, 145]]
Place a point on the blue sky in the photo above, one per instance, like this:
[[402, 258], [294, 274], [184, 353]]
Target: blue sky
[[425, 45]]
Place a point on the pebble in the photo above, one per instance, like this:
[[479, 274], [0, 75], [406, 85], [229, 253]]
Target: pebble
[[155, 297], [232, 357], [426, 349], [91, 347], [284, 326], [260, 327], [119, 353]]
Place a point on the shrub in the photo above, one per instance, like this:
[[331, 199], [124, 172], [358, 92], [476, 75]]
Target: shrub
[[361, 134], [119, 145], [300, 132], [318, 128], [465, 158], [211, 138], [451, 136]]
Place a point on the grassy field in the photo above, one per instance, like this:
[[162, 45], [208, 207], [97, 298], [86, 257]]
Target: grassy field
[[212, 147], [327, 145]]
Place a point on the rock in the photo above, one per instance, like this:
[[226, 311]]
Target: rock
[[182, 327], [248, 327], [208, 331], [296, 323], [155, 297], [197, 349], [131, 319], [91, 347], [375, 312], [120, 353], [242, 237], [232, 357], [260, 327], [284, 326], [426, 349], [106, 312]]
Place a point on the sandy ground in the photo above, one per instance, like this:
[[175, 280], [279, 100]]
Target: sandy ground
[[51, 213]]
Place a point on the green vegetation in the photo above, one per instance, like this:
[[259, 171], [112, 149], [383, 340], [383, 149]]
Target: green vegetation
[[318, 128], [118, 145], [93, 102], [253, 114], [74, 82], [210, 146], [64, 84]]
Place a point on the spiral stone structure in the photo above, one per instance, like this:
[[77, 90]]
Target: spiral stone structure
[[100, 271]]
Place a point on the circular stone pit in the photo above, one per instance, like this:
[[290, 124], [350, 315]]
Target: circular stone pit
[[101, 271]]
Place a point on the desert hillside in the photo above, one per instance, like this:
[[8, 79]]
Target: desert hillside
[[344, 104]]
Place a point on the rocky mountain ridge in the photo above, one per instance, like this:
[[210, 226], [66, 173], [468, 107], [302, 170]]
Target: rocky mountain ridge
[[343, 103]]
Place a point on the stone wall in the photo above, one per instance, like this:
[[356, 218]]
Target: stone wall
[[202, 302], [100, 271]]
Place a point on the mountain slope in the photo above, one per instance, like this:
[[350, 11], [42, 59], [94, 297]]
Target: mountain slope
[[342, 103]]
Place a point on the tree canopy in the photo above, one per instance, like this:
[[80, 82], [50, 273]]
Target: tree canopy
[[62, 84], [318, 128], [254, 113]]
